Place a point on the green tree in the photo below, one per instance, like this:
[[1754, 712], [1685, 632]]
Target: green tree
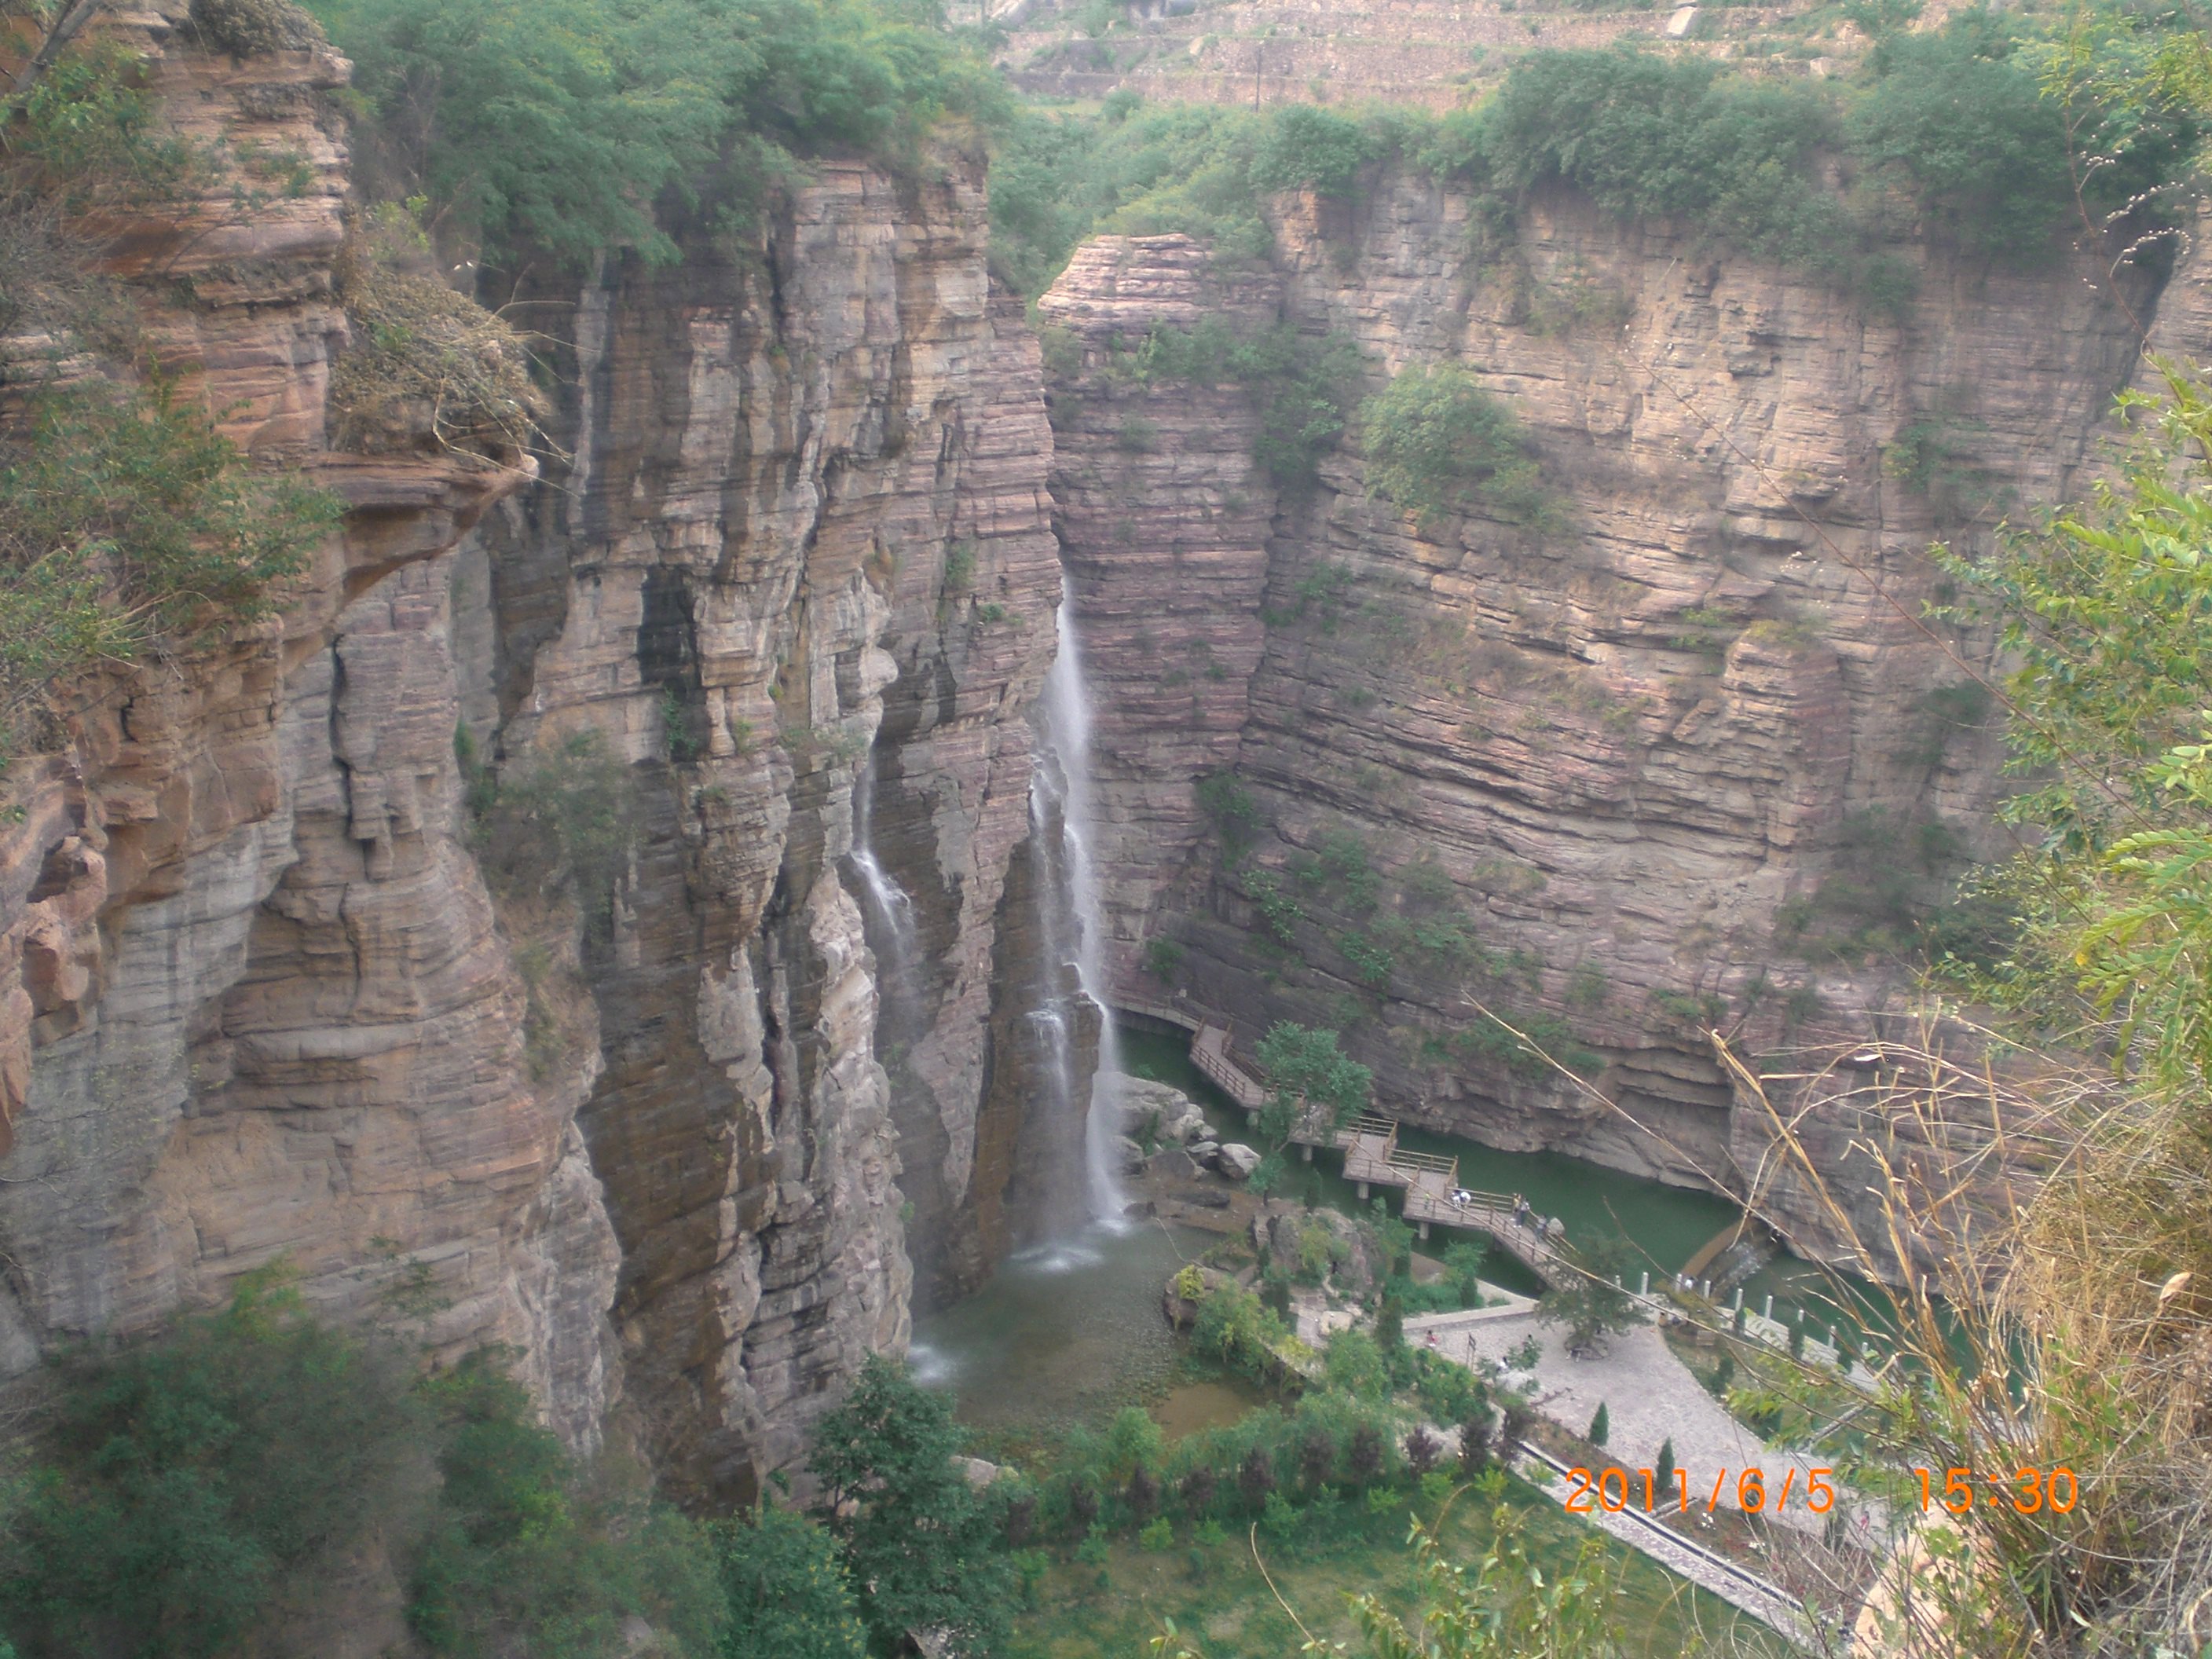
[[1306, 148], [919, 1541], [182, 1481], [1663, 1474], [1464, 1265], [1504, 1606], [532, 1552], [786, 1589], [2110, 609], [1587, 1294], [1305, 1069], [1601, 1426], [1970, 132]]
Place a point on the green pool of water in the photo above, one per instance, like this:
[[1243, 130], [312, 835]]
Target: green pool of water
[[1069, 1331]]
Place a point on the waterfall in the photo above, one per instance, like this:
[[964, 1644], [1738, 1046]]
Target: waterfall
[[888, 912], [1060, 789]]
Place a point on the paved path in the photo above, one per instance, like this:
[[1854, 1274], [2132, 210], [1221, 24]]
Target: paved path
[[1649, 1397], [1767, 1603]]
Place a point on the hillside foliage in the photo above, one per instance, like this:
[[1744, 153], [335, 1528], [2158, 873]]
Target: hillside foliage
[[556, 127], [1993, 132]]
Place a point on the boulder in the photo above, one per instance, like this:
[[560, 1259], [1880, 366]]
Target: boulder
[[1172, 1164], [1237, 1160], [1132, 1155], [1204, 1152], [1280, 1230], [1141, 1108], [1190, 1127]]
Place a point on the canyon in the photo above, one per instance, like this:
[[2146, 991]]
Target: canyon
[[792, 555]]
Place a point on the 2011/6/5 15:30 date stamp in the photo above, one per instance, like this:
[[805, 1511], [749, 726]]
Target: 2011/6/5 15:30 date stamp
[[1618, 1489], [2026, 1490]]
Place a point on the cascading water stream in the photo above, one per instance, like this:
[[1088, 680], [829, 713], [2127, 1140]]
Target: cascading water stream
[[890, 911], [1061, 789]]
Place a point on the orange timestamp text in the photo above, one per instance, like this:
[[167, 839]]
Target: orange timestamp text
[[2026, 1491], [1618, 1489]]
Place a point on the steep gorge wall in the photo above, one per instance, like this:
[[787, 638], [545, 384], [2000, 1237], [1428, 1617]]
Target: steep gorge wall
[[257, 1004], [270, 992], [1653, 758], [804, 525]]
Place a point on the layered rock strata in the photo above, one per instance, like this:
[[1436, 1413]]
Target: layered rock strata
[[258, 1009], [802, 536], [262, 1002], [1647, 771]]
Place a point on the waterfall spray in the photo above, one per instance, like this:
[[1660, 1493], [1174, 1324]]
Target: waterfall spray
[[1062, 788]]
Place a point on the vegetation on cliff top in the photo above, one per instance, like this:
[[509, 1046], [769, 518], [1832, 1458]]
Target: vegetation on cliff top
[[1993, 131], [555, 127]]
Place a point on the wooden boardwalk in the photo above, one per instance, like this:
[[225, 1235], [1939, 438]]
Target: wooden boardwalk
[[1372, 1157]]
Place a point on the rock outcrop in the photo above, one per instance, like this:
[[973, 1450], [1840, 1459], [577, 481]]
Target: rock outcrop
[[261, 1001], [257, 1007], [803, 536], [1648, 771]]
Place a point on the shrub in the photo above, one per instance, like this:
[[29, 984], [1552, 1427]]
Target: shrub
[[249, 29], [126, 519], [1255, 1479], [1971, 135], [89, 135], [189, 1491], [1438, 443], [1422, 1449], [1234, 1324], [182, 1483], [1600, 1426], [564, 821], [1235, 814], [1644, 135], [1663, 1474], [1306, 148], [1474, 1444], [1159, 1536], [426, 367], [556, 126]]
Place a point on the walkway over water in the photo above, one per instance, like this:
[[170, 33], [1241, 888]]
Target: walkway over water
[[1372, 1157]]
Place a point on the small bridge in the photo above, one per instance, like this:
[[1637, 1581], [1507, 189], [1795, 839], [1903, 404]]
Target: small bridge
[[1372, 1155]]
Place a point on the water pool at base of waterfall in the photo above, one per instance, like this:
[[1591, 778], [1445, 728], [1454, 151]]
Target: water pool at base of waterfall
[[1069, 1332]]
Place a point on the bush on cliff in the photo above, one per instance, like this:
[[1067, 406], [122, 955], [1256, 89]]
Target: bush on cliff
[[1438, 443], [127, 523], [181, 1497]]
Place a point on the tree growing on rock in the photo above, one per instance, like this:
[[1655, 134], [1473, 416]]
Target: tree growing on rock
[[1587, 1296]]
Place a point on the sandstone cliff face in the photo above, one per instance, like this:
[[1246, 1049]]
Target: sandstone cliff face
[[803, 536], [260, 1000], [1654, 763], [256, 1004]]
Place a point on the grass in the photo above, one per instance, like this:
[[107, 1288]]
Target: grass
[[1215, 1592]]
